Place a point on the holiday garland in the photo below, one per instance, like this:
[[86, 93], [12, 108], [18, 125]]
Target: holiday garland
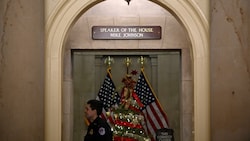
[[128, 122]]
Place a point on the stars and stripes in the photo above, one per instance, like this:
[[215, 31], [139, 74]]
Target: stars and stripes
[[154, 115], [108, 95]]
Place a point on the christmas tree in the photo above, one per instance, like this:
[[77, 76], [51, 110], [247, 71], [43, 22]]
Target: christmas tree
[[135, 114], [128, 121]]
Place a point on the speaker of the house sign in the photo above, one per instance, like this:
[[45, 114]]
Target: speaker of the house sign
[[126, 32]]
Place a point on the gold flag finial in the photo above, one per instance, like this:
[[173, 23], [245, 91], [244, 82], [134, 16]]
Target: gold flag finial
[[142, 61], [108, 61]]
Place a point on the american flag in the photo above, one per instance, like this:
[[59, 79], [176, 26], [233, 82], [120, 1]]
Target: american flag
[[154, 115], [108, 95]]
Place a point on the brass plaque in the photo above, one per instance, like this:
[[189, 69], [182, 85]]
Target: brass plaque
[[126, 32]]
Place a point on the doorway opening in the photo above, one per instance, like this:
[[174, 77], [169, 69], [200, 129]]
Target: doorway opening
[[163, 68], [195, 72]]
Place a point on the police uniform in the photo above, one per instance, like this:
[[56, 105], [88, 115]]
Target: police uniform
[[99, 130]]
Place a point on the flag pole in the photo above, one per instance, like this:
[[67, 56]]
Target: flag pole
[[142, 61], [108, 61], [127, 62]]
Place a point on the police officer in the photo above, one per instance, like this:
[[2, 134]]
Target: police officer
[[99, 129]]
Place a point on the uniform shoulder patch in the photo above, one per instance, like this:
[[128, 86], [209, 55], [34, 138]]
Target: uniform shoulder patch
[[91, 132], [101, 131]]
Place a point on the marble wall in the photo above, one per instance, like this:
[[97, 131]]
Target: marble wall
[[230, 74], [21, 70]]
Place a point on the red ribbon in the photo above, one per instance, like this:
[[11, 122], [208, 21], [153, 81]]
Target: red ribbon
[[134, 109], [116, 138], [137, 99], [128, 124]]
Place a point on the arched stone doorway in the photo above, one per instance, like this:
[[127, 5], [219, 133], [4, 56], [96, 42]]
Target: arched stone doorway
[[56, 34]]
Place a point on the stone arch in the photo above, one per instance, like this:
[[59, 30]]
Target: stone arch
[[59, 24]]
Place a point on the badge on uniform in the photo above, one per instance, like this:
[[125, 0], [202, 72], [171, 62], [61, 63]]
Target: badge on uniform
[[101, 131], [91, 132]]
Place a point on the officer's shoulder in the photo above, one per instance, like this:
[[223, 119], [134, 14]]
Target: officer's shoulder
[[102, 121]]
